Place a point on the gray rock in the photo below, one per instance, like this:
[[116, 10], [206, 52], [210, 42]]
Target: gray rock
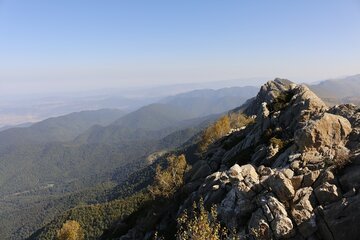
[[265, 171], [310, 178], [227, 209], [281, 186], [327, 193], [288, 172], [326, 176], [215, 196], [295, 165], [282, 225], [297, 181], [323, 135], [192, 186], [283, 158], [234, 173], [283, 228], [294, 157], [302, 212], [308, 228], [259, 155], [268, 92], [245, 204], [251, 178], [259, 227], [201, 172], [262, 202]]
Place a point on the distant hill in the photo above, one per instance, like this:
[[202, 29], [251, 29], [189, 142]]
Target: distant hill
[[22, 125], [147, 123], [63, 128], [208, 101], [34, 109], [172, 113], [336, 91], [155, 116]]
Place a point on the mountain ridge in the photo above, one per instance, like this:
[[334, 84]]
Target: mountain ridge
[[339, 90]]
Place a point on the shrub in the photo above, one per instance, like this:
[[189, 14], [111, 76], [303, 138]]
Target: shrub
[[342, 158], [238, 120], [70, 230], [167, 181], [221, 128], [281, 101], [277, 142], [200, 224]]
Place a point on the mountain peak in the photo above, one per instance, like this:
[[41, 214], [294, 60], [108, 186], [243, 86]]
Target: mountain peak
[[282, 90]]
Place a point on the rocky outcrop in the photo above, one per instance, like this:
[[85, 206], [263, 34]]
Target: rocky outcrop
[[293, 174], [282, 177]]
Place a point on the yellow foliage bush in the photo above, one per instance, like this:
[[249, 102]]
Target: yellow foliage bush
[[238, 120], [221, 128], [70, 230], [201, 225], [167, 181]]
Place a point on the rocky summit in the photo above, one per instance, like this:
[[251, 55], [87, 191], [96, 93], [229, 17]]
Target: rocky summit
[[293, 174]]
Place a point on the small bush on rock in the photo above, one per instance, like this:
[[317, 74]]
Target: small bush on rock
[[222, 127], [342, 158], [277, 142]]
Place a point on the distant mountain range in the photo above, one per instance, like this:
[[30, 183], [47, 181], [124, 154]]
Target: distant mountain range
[[58, 129], [21, 109], [341, 90], [36, 107], [63, 155], [208, 101]]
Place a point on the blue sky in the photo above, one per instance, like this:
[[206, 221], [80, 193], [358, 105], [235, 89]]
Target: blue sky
[[89, 44]]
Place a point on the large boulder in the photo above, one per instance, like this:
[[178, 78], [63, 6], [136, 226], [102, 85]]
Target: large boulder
[[323, 138], [326, 132]]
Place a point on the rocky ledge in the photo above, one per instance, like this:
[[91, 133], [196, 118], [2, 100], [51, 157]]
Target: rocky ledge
[[293, 174]]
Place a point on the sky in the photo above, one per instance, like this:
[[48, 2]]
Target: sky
[[65, 45]]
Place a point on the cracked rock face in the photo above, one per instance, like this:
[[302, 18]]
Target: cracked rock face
[[299, 191]]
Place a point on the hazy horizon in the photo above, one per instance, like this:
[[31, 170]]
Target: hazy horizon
[[49, 46]]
